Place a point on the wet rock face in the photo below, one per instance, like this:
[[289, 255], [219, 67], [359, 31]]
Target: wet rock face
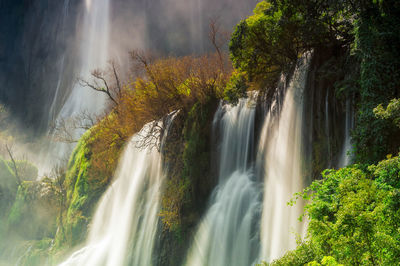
[[325, 110]]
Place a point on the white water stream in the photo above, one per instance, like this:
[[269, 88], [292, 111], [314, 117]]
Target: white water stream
[[345, 157], [281, 147], [93, 42], [93, 54], [125, 223], [228, 234]]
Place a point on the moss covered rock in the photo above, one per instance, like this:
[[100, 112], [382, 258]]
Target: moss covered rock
[[34, 212]]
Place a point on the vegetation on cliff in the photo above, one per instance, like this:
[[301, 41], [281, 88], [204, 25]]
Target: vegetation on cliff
[[353, 212], [353, 216], [156, 88]]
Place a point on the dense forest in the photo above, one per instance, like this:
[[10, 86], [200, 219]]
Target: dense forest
[[179, 165]]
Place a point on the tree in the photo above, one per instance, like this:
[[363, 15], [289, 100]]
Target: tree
[[354, 215], [270, 41]]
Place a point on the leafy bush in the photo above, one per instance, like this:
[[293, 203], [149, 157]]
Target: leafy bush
[[392, 112], [354, 215], [236, 87]]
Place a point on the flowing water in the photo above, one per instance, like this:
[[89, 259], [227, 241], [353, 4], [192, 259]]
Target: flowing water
[[345, 157], [248, 219], [93, 54], [327, 129], [228, 234], [125, 222], [281, 151]]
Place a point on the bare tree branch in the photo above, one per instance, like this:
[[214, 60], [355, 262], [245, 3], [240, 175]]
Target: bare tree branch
[[95, 86], [218, 38], [116, 76], [64, 129], [14, 164]]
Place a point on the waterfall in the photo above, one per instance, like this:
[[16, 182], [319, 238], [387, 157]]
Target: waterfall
[[94, 42], [125, 222], [345, 157], [93, 54], [228, 234], [281, 156], [327, 129]]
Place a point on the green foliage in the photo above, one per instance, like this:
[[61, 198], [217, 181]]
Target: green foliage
[[387, 171], [392, 112], [376, 44], [354, 215], [327, 260], [270, 41], [236, 87], [303, 254]]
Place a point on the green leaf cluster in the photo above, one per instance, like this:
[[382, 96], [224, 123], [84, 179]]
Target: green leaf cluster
[[377, 32], [236, 88], [270, 41], [354, 216]]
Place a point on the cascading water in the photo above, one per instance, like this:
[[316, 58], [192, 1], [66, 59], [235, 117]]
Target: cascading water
[[93, 41], [281, 156], [327, 129], [228, 234], [125, 223], [345, 157]]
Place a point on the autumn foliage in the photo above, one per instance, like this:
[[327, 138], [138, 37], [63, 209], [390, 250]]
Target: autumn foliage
[[154, 88]]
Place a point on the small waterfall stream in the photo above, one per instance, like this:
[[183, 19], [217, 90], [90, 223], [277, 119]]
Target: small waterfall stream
[[345, 156]]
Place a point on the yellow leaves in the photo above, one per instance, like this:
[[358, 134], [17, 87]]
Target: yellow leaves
[[158, 87], [185, 87]]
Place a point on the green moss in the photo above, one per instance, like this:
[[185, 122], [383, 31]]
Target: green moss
[[76, 182], [84, 186], [33, 214]]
